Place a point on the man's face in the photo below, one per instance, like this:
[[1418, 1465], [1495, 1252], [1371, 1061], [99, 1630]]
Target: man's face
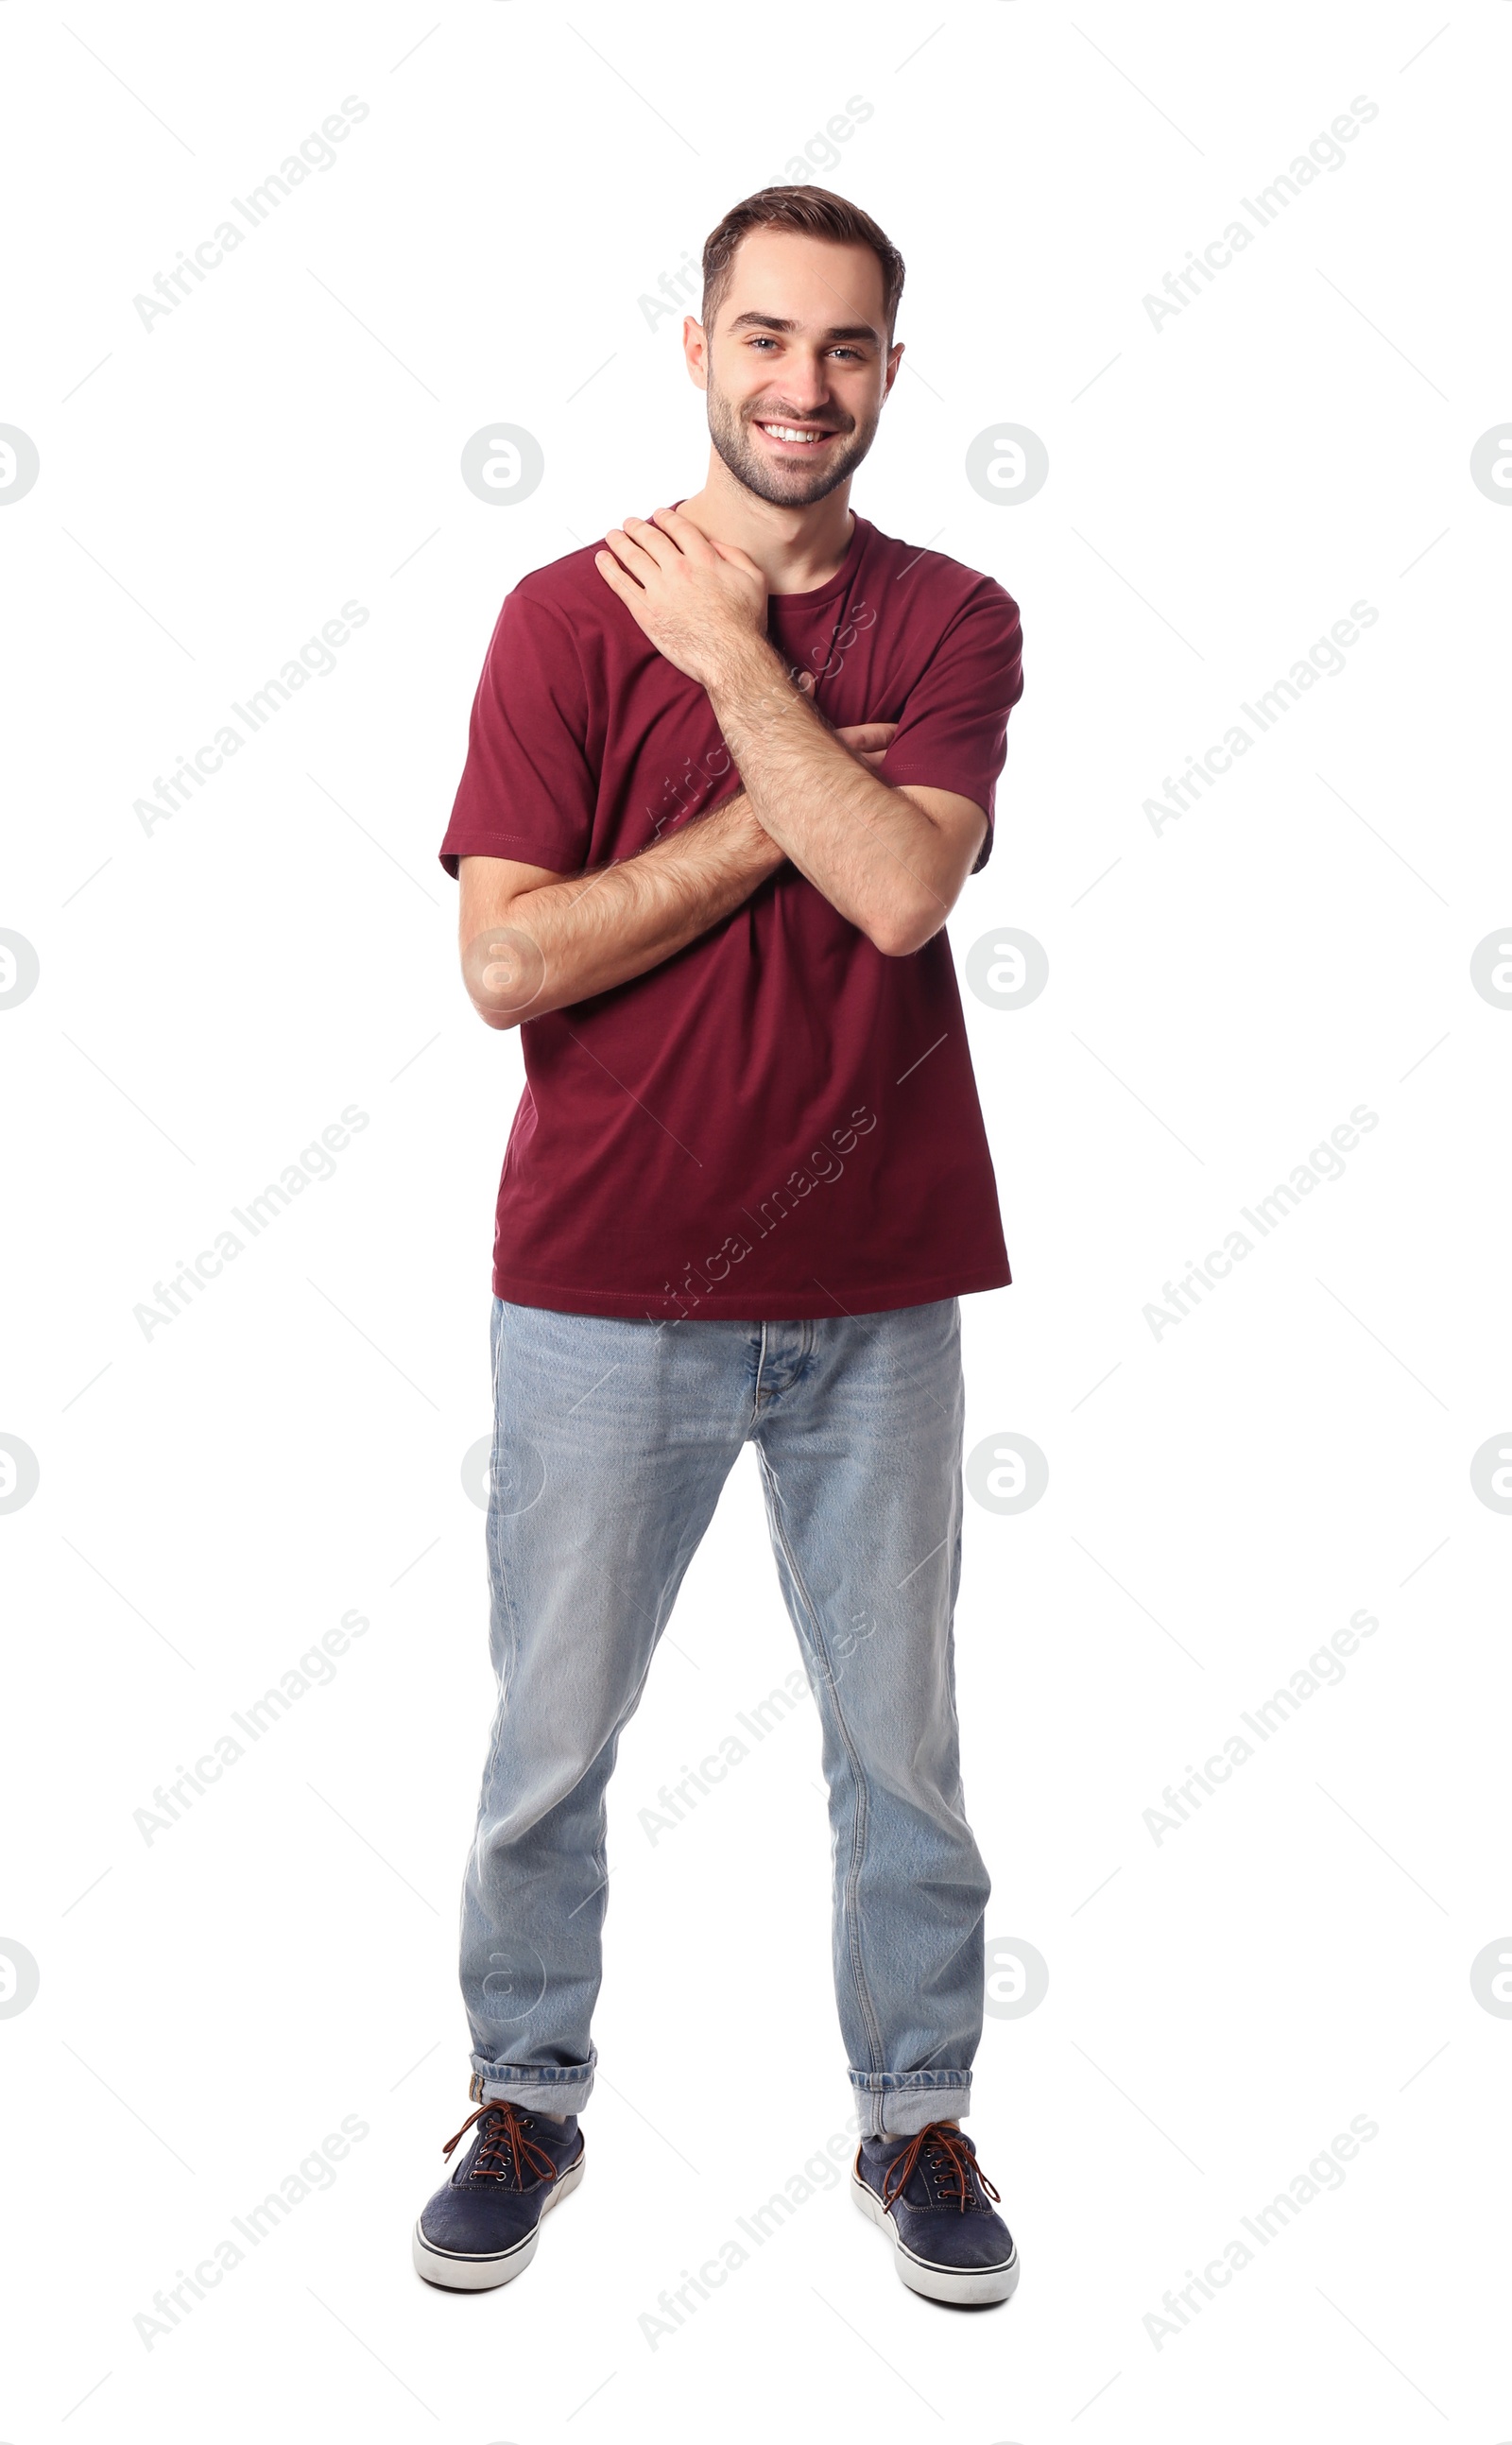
[[798, 365]]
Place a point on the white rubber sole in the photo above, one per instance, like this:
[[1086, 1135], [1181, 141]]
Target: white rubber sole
[[966, 2287], [459, 2271]]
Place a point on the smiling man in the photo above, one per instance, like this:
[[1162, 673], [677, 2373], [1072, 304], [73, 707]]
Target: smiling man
[[727, 774]]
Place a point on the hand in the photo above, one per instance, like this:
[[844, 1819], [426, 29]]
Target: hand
[[701, 602], [869, 742]]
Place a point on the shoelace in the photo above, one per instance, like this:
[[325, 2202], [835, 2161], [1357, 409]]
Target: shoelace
[[506, 2150], [946, 2153]]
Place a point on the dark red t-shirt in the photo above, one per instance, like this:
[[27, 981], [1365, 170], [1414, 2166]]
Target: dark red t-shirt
[[779, 1121]]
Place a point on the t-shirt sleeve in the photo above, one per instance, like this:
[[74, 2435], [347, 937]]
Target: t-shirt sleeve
[[953, 731], [528, 790]]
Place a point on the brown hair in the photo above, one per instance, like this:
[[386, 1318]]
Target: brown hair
[[815, 212]]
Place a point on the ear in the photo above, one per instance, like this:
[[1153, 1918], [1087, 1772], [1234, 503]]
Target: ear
[[696, 353]]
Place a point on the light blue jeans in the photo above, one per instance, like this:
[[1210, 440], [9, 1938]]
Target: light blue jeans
[[612, 1439]]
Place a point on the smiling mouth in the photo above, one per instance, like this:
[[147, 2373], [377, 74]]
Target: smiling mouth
[[795, 437]]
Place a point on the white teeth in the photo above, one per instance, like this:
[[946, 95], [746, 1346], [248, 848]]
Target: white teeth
[[791, 433]]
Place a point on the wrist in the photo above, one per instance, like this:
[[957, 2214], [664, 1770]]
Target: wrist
[[755, 841], [747, 679]]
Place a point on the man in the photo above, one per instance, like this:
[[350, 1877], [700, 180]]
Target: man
[[726, 775]]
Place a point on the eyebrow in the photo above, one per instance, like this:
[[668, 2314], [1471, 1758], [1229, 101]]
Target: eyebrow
[[753, 322]]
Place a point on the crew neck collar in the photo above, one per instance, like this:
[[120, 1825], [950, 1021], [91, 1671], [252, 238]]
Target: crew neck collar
[[838, 584]]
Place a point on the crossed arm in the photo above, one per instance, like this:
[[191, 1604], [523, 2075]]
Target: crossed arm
[[533, 941], [892, 860]]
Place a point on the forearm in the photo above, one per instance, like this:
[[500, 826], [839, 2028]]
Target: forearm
[[876, 855], [569, 940]]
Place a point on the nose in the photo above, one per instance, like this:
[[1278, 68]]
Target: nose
[[805, 386]]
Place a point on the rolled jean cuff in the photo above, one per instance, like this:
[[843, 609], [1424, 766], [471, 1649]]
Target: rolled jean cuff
[[906, 2100], [553, 2088]]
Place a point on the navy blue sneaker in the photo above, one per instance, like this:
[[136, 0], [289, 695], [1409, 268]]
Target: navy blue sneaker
[[482, 2226], [930, 2192]]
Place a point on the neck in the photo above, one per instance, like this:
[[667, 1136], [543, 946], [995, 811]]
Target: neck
[[794, 549]]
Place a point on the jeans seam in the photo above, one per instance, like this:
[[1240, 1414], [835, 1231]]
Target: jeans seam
[[886, 2083], [496, 1548], [539, 2075], [858, 1839]]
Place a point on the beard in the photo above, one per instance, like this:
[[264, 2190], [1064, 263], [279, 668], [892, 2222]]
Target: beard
[[786, 487]]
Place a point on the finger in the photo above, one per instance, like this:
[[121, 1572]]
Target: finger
[[626, 550], [629, 553], [689, 539], [610, 569], [663, 521], [646, 538], [742, 559]]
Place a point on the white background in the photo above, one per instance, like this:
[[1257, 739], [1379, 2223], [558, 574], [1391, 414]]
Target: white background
[[1222, 993]]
